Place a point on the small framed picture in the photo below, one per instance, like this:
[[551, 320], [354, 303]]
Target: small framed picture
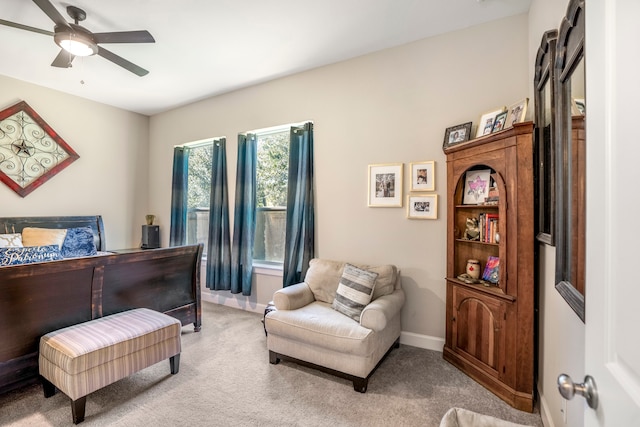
[[578, 107], [476, 186], [422, 207], [385, 185], [485, 125], [457, 134], [517, 113], [499, 121], [423, 176]]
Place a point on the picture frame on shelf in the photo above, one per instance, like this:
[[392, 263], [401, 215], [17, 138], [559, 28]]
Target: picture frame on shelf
[[422, 206], [423, 176], [517, 113], [457, 134], [499, 122], [385, 185], [485, 125], [476, 186]]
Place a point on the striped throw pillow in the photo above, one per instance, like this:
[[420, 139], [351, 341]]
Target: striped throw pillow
[[354, 291]]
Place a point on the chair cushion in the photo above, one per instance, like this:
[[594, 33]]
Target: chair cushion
[[354, 291], [386, 281], [335, 332], [323, 278]]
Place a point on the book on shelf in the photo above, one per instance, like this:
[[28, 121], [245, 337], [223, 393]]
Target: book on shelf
[[492, 270], [488, 227]]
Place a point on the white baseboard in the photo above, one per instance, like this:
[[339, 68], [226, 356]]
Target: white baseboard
[[422, 341], [544, 411], [239, 302]]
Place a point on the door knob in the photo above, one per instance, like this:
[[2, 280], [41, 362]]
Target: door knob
[[587, 389]]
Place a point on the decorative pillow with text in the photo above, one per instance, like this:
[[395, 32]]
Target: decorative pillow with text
[[354, 291], [26, 255]]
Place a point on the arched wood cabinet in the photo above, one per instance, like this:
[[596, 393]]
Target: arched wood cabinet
[[490, 323]]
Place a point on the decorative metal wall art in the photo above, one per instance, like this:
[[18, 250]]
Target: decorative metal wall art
[[31, 152]]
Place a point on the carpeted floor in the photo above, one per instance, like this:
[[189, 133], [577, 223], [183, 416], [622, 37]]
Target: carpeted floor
[[225, 379]]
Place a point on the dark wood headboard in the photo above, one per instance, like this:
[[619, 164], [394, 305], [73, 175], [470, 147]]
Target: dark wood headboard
[[16, 224]]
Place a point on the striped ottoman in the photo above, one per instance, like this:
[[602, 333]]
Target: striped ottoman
[[83, 358]]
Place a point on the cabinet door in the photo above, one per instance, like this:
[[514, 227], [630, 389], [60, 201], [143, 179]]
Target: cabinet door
[[479, 329]]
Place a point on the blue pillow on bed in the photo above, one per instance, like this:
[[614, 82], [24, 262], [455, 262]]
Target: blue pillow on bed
[[78, 242], [29, 254]]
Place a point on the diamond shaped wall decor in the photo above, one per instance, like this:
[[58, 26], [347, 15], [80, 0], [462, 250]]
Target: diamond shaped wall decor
[[31, 152]]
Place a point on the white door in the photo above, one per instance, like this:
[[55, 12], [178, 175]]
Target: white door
[[612, 325]]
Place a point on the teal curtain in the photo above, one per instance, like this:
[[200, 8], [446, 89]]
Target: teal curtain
[[244, 219], [179, 201], [300, 228], [219, 247]]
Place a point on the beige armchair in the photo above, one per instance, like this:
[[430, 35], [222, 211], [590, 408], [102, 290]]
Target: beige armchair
[[307, 328]]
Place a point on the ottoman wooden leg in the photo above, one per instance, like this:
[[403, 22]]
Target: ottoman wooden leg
[[77, 409], [175, 363], [47, 387]]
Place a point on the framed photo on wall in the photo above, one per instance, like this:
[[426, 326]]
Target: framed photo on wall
[[423, 176], [385, 185], [422, 207]]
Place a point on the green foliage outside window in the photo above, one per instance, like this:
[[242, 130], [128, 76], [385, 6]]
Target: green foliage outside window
[[273, 170], [200, 176]]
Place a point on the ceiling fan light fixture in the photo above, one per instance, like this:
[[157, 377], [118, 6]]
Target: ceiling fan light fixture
[[76, 43]]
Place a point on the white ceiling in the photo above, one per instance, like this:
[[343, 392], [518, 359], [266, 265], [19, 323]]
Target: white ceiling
[[208, 47]]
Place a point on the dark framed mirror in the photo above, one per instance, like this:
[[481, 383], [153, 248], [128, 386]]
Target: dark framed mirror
[[570, 158], [544, 85]]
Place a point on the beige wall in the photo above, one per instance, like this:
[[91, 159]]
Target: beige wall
[[561, 333], [390, 106], [110, 177]]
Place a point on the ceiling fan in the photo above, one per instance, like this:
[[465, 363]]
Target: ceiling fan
[[78, 41]]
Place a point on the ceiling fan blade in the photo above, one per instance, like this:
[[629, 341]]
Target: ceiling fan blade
[[63, 60], [142, 36], [118, 60], [51, 12], [25, 27]]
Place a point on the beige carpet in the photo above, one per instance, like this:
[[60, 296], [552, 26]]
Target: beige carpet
[[225, 379]]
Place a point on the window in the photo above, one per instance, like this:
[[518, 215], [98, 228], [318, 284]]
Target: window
[[199, 192], [272, 174]]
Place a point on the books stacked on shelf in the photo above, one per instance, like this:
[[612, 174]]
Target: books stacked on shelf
[[488, 227]]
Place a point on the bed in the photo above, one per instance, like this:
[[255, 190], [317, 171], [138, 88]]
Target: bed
[[40, 297]]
